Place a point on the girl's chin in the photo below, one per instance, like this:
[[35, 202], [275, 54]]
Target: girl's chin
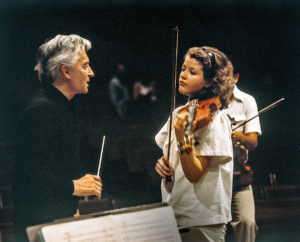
[[183, 92]]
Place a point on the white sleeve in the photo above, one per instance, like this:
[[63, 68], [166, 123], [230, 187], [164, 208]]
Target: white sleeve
[[162, 135], [215, 139], [250, 107]]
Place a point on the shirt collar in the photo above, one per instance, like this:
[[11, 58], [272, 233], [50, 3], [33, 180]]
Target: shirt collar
[[237, 94], [58, 95]]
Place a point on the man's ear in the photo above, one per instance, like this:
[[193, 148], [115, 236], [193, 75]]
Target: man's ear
[[65, 72], [236, 77]]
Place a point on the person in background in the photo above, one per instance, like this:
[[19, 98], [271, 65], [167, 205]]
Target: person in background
[[144, 99], [201, 171], [49, 175], [144, 91], [118, 91], [243, 107]]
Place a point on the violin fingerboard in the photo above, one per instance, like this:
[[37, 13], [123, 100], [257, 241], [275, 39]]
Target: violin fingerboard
[[191, 110]]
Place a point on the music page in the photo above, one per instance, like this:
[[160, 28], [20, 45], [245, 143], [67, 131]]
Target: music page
[[157, 224]]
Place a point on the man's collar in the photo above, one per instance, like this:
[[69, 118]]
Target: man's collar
[[52, 90]]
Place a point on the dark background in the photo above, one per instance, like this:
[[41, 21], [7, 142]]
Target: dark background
[[261, 38]]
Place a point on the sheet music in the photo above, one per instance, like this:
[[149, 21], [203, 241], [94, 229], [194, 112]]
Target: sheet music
[[148, 225], [156, 224], [93, 229]]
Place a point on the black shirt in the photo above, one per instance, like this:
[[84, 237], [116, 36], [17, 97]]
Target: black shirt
[[48, 159]]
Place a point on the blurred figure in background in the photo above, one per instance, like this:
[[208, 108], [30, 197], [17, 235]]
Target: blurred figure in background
[[144, 91], [144, 99], [118, 91]]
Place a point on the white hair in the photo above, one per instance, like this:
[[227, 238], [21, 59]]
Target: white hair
[[61, 50]]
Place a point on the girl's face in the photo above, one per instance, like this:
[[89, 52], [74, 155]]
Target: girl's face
[[191, 79]]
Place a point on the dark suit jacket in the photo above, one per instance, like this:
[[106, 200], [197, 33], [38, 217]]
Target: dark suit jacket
[[47, 160]]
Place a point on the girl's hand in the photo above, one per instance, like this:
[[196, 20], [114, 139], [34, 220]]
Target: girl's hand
[[179, 125], [163, 167]]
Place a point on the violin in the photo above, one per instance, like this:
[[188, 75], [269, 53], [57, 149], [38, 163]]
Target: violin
[[244, 176], [200, 113]]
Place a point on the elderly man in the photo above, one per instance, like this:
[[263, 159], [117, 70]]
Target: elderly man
[[48, 174]]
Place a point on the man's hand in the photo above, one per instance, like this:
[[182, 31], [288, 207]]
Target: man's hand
[[249, 140], [88, 185], [237, 137]]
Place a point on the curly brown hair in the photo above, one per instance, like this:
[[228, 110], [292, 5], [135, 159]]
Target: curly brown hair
[[217, 70]]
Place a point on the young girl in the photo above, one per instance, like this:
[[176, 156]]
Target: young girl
[[202, 170]]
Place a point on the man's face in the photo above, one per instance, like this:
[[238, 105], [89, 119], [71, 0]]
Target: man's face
[[80, 74]]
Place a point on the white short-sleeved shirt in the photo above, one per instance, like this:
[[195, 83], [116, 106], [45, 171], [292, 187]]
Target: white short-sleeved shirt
[[207, 201], [242, 108]]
